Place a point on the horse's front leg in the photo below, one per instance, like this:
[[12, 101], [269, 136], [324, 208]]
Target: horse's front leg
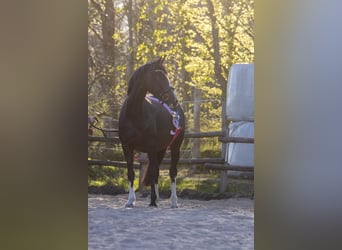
[[174, 198], [153, 195], [129, 154], [131, 194]]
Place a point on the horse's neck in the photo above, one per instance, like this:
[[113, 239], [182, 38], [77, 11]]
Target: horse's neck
[[135, 102]]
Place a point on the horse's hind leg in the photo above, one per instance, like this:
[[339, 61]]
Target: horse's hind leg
[[129, 154], [173, 175], [153, 177], [160, 157]]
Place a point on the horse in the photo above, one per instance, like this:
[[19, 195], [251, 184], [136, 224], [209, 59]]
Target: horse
[[151, 124]]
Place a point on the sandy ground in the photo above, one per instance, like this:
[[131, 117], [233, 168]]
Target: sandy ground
[[214, 224]]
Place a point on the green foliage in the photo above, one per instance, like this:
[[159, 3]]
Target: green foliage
[[104, 173], [210, 149], [181, 30], [201, 185]]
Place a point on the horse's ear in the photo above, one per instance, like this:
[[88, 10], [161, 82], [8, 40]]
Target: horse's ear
[[161, 60]]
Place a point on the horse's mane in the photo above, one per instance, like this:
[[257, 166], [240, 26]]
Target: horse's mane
[[134, 80]]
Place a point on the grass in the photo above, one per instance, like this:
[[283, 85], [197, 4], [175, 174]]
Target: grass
[[121, 182], [112, 179]]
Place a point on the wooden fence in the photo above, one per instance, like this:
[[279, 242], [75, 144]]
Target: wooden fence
[[210, 163]]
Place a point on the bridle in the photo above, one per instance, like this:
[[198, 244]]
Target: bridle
[[164, 94]]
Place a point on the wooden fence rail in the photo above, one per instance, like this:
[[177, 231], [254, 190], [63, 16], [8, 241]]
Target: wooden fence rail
[[236, 139], [104, 139], [119, 164], [203, 134], [226, 166], [123, 164], [218, 134]]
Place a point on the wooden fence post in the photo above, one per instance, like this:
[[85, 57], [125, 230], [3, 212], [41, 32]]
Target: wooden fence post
[[196, 147], [223, 181], [223, 173]]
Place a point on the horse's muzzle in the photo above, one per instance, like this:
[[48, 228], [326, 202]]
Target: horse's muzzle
[[174, 105]]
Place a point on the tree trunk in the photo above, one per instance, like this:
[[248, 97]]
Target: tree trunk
[[130, 63], [195, 150], [108, 29], [217, 58]]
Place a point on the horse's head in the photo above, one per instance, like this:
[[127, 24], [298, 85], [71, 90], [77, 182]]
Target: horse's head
[[158, 83]]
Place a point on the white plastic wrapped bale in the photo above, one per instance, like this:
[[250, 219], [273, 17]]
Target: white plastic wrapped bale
[[241, 154], [240, 92]]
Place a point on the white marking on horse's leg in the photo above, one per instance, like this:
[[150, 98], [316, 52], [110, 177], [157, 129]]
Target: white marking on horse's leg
[[131, 196], [156, 190], [173, 195]]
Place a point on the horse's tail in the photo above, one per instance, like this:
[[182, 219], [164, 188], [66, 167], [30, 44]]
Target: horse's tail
[[147, 178]]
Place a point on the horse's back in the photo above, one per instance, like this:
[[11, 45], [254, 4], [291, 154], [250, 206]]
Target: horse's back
[[147, 129]]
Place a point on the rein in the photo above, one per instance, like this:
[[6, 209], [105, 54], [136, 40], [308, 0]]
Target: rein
[[175, 119], [101, 129]]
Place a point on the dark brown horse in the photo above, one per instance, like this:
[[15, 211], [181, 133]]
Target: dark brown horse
[[151, 124]]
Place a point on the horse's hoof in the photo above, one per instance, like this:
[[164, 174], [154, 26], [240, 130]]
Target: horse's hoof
[[153, 205], [128, 205], [174, 206]]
